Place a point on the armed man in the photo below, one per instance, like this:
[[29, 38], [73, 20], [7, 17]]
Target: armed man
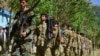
[[22, 31], [54, 45], [42, 27], [69, 37], [65, 36]]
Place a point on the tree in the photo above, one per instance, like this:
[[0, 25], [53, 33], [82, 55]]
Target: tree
[[77, 13]]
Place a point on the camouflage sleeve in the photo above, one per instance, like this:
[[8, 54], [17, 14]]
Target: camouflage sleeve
[[30, 17], [28, 31]]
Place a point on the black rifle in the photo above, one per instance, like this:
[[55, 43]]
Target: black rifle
[[26, 12], [21, 16], [49, 28], [25, 19]]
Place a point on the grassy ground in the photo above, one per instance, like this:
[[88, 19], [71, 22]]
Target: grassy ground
[[96, 52]]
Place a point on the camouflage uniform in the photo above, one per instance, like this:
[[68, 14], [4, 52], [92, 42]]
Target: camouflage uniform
[[15, 33], [82, 45], [79, 43], [55, 47], [54, 43], [66, 39], [41, 39], [74, 44], [27, 45], [87, 47], [69, 43]]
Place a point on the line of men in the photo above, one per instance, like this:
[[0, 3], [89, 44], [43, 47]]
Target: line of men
[[50, 40], [55, 42], [60, 42], [46, 39]]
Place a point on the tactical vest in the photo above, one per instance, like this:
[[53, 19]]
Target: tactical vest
[[42, 27]]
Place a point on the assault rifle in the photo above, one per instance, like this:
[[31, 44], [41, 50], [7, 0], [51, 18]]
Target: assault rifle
[[34, 4]]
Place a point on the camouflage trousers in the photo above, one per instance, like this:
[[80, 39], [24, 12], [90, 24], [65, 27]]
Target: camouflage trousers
[[40, 46], [24, 49], [54, 50], [68, 50]]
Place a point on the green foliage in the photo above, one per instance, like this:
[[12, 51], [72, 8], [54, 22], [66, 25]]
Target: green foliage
[[97, 13], [77, 13], [14, 5]]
